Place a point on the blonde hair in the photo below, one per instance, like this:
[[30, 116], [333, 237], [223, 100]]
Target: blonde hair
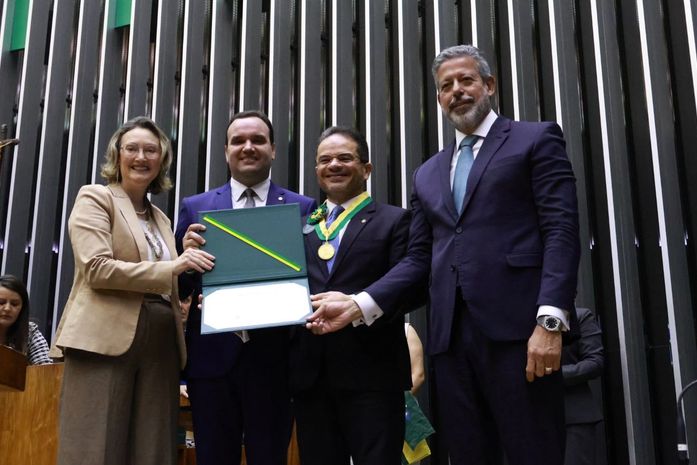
[[110, 169]]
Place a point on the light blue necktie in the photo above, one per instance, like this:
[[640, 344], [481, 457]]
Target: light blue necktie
[[462, 170], [338, 210]]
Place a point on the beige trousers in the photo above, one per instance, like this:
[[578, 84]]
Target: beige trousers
[[123, 410]]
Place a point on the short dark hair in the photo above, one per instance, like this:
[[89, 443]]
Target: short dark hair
[[251, 114], [111, 169], [357, 137], [18, 333], [457, 51]]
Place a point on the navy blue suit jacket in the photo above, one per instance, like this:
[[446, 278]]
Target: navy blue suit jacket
[[212, 355], [514, 247], [367, 358]]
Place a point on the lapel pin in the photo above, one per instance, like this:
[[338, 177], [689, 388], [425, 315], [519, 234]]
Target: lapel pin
[[280, 197], [364, 221]]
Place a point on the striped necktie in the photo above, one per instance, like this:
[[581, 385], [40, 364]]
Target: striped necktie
[[338, 210]]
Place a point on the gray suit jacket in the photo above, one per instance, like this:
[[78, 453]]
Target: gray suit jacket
[[582, 361]]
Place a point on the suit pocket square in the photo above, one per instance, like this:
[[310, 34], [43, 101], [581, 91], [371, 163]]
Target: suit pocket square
[[524, 259]]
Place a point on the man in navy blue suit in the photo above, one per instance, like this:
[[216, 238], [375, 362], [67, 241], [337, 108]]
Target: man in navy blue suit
[[238, 389], [349, 386], [495, 231]]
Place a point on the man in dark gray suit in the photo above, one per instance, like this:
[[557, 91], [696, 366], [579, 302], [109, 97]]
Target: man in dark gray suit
[[582, 361]]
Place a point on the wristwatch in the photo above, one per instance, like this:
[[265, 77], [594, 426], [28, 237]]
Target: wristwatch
[[549, 322]]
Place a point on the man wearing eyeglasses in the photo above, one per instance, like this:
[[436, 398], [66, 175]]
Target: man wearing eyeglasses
[[349, 386], [238, 389]]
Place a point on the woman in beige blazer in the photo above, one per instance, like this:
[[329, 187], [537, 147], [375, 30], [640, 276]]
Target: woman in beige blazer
[[121, 333]]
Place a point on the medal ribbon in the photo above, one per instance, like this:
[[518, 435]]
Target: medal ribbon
[[327, 234]]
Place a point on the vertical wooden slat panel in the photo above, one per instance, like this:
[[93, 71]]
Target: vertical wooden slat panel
[[407, 101], [441, 32], [683, 62], [80, 138], [221, 86], [281, 53], [166, 77], [569, 107], [250, 56], [22, 183], [188, 167], [110, 99], [484, 30], [523, 43], [139, 70], [10, 72], [310, 82], [683, 357], [622, 235], [374, 94], [49, 188], [341, 103]]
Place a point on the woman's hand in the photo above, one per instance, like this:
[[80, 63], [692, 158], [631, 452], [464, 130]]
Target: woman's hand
[[193, 259]]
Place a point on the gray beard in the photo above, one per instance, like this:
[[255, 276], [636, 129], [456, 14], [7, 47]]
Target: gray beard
[[468, 121]]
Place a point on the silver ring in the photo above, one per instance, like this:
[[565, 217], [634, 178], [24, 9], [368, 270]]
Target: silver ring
[[548, 369]]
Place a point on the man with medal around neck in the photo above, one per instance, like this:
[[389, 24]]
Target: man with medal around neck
[[501, 259], [348, 387], [238, 389]]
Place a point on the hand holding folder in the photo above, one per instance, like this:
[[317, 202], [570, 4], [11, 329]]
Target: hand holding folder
[[260, 277]]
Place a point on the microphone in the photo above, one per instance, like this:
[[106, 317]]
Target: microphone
[[683, 452], [8, 143]]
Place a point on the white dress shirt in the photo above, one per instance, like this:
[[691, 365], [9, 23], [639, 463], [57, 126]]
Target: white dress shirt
[[237, 190]]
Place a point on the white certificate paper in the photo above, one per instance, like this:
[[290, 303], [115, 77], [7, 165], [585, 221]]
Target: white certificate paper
[[255, 305]]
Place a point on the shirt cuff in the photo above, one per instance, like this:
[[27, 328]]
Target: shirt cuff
[[563, 315], [369, 308]]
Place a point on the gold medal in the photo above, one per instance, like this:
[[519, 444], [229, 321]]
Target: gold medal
[[325, 251]]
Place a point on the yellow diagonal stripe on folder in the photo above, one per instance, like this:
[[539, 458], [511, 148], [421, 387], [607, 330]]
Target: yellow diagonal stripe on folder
[[251, 242]]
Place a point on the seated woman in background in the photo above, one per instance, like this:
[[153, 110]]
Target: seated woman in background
[[16, 330]]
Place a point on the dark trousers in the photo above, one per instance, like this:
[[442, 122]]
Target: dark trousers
[[250, 404], [486, 406], [580, 444], [123, 410], [336, 424]]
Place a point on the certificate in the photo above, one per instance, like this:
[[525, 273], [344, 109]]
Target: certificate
[[260, 275]]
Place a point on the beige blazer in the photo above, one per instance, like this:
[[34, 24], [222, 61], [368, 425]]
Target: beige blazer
[[112, 274]]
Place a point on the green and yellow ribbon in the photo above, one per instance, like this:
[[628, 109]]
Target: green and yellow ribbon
[[251, 242], [327, 234]]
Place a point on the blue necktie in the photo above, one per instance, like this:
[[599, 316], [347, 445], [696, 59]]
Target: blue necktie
[[462, 170], [334, 242]]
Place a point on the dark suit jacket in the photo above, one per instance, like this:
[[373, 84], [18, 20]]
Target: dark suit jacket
[[213, 355], [582, 361], [372, 357], [514, 247]]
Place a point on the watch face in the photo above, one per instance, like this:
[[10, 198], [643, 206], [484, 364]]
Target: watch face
[[552, 323]]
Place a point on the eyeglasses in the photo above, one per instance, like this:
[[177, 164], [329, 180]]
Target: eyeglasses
[[343, 158], [149, 151]]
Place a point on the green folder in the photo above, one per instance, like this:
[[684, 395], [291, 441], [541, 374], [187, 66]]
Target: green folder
[[260, 275]]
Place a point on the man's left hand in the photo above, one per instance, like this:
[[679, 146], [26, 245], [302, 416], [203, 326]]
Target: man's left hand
[[544, 353]]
